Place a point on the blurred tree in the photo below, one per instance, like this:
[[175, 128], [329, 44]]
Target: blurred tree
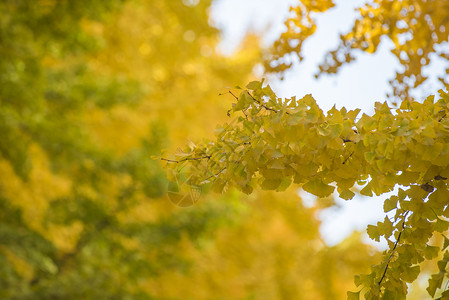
[[89, 91], [274, 252]]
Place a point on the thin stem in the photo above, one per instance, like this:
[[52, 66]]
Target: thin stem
[[236, 98], [185, 159], [348, 157], [394, 248], [215, 175]]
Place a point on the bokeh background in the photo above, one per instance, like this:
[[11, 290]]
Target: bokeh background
[[90, 91]]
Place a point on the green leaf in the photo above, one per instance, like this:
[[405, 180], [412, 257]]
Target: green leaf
[[335, 130], [352, 114], [318, 188], [390, 295], [431, 252], [219, 130], [243, 102], [270, 184], [370, 156], [442, 265], [218, 185], [435, 283], [323, 129], [254, 85], [441, 225], [385, 228], [445, 243], [373, 232], [285, 183], [247, 189], [357, 280], [390, 203], [296, 118], [347, 194], [366, 191], [410, 274], [367, 123], [353, 295]]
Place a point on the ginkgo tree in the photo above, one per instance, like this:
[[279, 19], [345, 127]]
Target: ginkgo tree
[[272, 143], [418, 30], [88, 91]]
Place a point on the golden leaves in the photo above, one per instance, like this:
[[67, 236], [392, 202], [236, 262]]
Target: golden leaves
[[295, 140], [299, 27], [417, 29], [318, 188]]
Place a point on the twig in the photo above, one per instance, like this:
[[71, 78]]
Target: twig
[[394, 248], [215, 175], [185, 159], [236, 98], [348, 157], [264, 106]]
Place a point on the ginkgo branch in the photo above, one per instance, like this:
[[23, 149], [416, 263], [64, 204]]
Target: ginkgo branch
[[394, 248], [348, 141], [185, 159], [346, 159], [260, 103], [215, 175]]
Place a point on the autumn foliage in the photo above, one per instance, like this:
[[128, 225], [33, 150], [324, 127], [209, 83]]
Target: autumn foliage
[[402, 149], [89, 91]]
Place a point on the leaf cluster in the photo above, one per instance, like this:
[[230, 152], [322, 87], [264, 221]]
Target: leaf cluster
[[272, 143], [417, 28]]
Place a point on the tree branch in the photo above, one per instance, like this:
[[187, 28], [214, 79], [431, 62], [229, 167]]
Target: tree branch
[[215, 175], [394, 248], [185, 159]]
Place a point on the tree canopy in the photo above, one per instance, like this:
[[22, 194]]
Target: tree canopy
[[272, 143], [418, 30]]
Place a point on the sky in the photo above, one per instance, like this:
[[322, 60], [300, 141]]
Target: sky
[[357, 85]]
